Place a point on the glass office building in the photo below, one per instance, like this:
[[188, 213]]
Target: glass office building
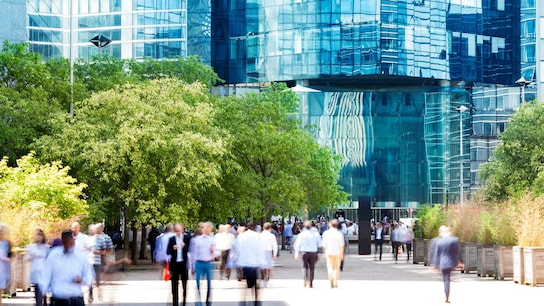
[[137, 28], [384, 79], [12, 21]]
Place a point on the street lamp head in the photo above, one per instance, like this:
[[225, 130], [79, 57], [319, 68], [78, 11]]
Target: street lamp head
[[462, 109], [100, 41], [523, 82]]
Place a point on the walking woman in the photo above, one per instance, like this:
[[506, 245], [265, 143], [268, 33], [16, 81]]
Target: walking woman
[[36, 253], [5, 254]]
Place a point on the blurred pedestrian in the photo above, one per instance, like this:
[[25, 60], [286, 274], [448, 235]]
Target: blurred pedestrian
[[269, 245], [223, 243], [178, 247], [5, 257], [66, 270], [36, 253], [80, 238], [152, 240], [447, 256], [396, 241], [161, 246], [333, 248], [250, 257], [379, 232], [307, 245], [203, 252], [96, 249]]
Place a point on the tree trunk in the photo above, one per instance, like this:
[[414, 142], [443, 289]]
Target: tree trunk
[[126, 245], [143, 243], [134, 245]]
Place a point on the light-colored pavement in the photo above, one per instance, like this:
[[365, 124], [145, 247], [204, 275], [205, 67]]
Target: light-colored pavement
[[364, 281]]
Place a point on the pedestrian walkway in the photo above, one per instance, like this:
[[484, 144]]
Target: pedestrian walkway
[[364, 281]]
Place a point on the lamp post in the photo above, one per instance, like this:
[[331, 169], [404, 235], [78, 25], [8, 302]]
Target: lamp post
[[523, 83], [100, 41], [461, 110]]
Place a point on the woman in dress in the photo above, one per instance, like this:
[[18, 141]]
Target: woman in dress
[[36, 253], [5, 254]]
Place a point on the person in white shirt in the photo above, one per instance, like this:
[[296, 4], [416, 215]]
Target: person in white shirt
[[223, 243], [269, 245], [333, 248], [80, 238], [308, 243], [36, 253], [250, 257], [66, 270]]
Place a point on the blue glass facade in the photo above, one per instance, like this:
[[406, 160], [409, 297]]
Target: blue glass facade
[[391, 76]]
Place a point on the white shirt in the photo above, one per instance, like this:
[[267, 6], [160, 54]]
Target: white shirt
[[36, 254], [308, 241], [82, 242], [269, 242], [224, 241], [61, 269], [248, 250], [333, 241]]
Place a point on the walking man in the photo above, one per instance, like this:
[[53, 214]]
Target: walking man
[[177, 249], [223, 243], [269, 244], [396, 241], [66, 270], [250, 257], [97, 248], [203, 253], [333, 248], [307, 245], [378, 239], [447, 256]]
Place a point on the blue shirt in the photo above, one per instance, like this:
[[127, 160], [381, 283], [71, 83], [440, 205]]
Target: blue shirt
[[36, 253], [61, 270], [200, 248], [288, 230], [307, 241], [161, 245]]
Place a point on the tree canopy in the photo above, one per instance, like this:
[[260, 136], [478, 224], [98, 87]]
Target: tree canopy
[[34, 195], [146, 149], [517, 164], [280, 168]]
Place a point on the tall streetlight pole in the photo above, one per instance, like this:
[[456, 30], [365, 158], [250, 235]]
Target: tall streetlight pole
[[523, 83], [461, 110]]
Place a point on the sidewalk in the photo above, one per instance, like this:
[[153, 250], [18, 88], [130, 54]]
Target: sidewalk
[[364, 281]]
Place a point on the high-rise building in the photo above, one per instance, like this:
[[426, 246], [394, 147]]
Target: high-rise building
[[384, 83], [12, 21], [137, 28]]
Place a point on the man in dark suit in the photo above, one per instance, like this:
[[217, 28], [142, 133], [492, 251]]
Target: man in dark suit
[[447, 256], [178, 246]]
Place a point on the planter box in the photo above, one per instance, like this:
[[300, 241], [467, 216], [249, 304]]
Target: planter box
[[469, 254], [504, 262], [419, 249], [518, 266], [533, 260], [429, 252], [486, 260], [22, 270]]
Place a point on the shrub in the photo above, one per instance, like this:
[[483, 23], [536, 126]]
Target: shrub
[[530, 225]]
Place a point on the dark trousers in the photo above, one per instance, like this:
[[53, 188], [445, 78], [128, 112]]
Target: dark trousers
[[378, 243], [223, 270], [408, 250], [152, 247], [178, 270], [396, 245], [308, 263], [74, 301], [252, 274], [41, 299], [446, 276]]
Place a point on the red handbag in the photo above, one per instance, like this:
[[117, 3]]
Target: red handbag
[[166, 272]]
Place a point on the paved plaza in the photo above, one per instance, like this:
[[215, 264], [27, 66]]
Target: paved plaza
[[364, 281]]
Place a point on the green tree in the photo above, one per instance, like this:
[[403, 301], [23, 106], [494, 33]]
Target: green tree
[[34, 195], [517, 164], [276, 166], [31, 92], [146, 150]]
